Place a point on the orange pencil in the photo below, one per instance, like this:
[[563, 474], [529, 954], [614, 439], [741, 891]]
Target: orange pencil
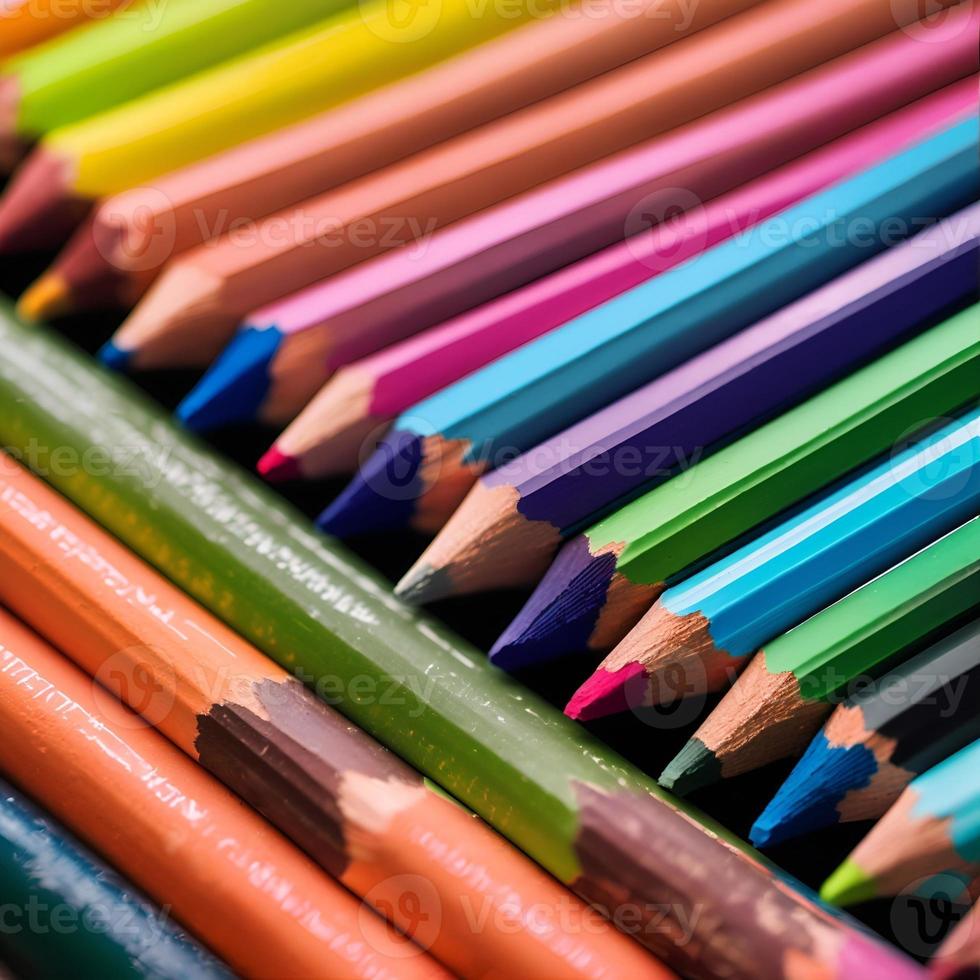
[[194, 306], [24, 23], [112, 260], [176, 832], [354, 807]]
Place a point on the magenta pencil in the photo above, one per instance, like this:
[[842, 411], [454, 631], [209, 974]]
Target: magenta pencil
[[289, 349], [324, 440]]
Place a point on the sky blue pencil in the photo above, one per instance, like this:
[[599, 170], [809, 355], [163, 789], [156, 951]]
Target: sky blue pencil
[[701, 633], [437, 449]]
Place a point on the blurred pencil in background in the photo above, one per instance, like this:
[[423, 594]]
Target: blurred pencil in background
[[108, 62], [281, 83], [24, 23], [112, 260]]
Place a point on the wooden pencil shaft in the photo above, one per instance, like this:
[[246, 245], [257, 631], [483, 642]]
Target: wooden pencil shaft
[[360, 631], [113, 930]]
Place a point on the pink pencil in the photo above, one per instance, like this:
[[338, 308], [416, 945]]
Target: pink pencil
[[290, 348], [362, 397]]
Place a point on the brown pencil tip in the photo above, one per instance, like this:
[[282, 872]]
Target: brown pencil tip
[[38, 210], [46, 299]]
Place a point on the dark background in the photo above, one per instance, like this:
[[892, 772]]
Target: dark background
[[649, 744]]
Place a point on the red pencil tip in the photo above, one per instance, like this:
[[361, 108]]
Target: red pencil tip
[[277, 467], [606, 692]]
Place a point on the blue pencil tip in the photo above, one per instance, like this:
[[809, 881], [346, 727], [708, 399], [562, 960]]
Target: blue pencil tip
[[114, 357], [382, 495], [809, 799], [561, 614], [236, 385]]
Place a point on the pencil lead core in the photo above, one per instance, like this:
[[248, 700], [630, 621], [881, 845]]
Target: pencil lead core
[[848, 885], [47, 298], [693, 768]]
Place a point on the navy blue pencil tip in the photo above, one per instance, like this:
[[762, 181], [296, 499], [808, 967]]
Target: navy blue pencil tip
[[383, 494], [236, 385], [114, 357], [561, 614]]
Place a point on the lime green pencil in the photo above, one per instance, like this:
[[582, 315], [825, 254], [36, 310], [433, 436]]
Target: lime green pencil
[[140, 48], [785, 694]]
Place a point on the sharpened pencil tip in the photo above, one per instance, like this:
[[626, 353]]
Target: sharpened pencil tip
[[235, 386], [423, 583], [47, 298], [809, 798], [693, 768], [606, 692], [383, 494], [561, 614], [765, 833], [279, 467], [848, 885], [114, 357]]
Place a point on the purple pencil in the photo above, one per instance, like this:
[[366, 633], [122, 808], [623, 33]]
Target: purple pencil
[[514, 519]]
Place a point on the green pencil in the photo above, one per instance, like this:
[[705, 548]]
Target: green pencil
[[140, 48], [603, 581], [569, 802], [932, 828], [779, 703]]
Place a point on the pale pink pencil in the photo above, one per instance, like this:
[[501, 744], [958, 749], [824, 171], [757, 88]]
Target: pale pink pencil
[[290, 348], [362, 397]]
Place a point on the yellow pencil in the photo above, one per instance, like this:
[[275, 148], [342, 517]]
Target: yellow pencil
[[368, 45]]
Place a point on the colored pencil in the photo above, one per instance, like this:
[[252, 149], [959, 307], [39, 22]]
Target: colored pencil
[[193, 309], [113, 259], [437, 450], [701, 633], [304, 600], [932, 828], [232, 880], [291, 79], [109, 62], [357, 810], [113, 930], [778, 703], [475, 260], [560, 485], [874, 744], [327, 436], [31, 22], [603, 580], [959, 956]]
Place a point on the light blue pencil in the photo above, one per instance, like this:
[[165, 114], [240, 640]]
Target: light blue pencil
[[438, 449], [700, 633]]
